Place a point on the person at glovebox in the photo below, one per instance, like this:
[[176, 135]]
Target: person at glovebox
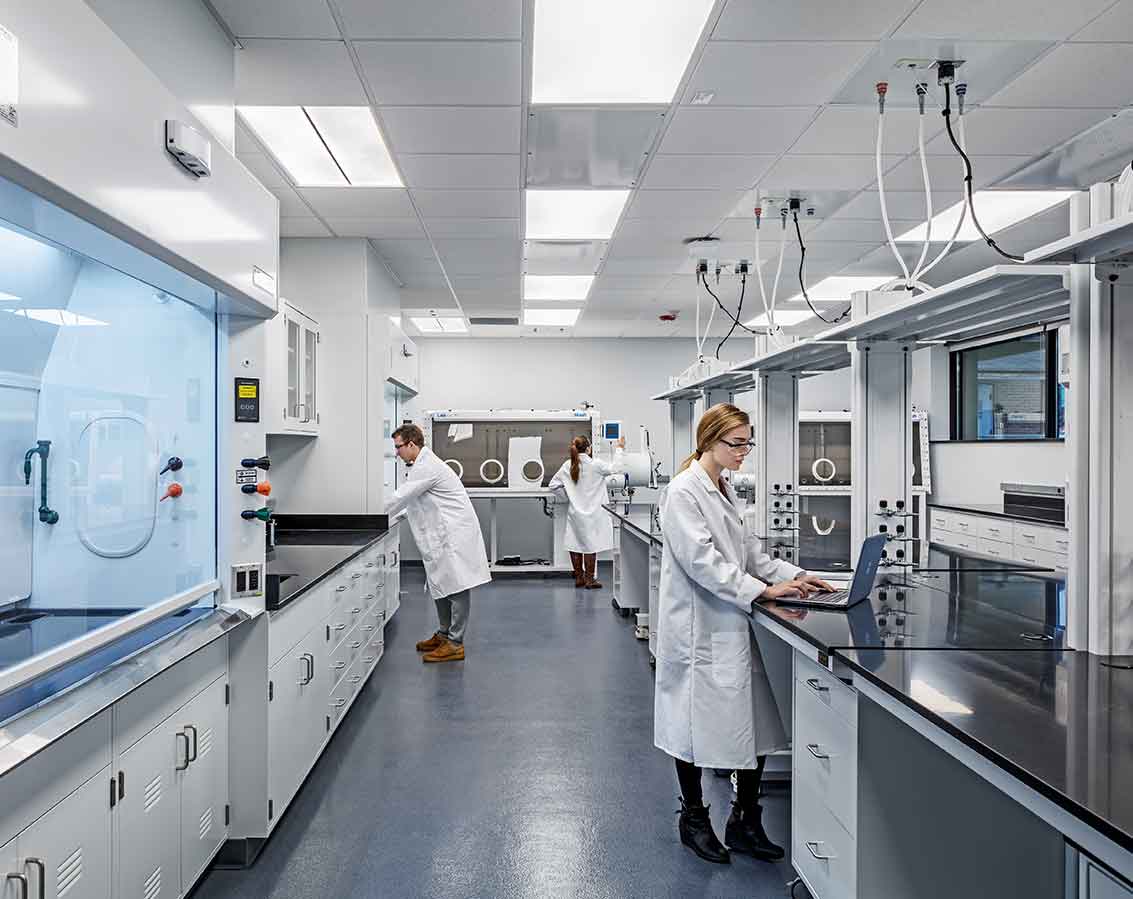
[[447, 532], [589, 528], [713, 706]]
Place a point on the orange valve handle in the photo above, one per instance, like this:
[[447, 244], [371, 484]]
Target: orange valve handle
[[172, 492], [263, 488]]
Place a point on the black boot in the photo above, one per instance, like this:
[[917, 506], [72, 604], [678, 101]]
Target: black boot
[[697, 834], [745, 834]]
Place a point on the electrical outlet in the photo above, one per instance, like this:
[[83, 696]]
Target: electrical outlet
[[247, 579]]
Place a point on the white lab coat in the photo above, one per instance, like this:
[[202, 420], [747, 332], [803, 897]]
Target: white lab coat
[[444, 524], [713, 704], [589, 527]]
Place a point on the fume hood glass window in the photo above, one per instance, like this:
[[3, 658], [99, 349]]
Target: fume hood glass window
[[107, 450], [1008, 390]]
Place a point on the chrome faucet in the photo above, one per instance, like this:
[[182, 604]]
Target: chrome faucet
[[42, 449]]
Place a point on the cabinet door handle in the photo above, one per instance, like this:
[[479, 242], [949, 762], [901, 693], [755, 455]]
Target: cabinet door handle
[[356, 679], [356, 644], [177, 764], [368, 660], [194, 730], [355, 611], [340, 627], [341, 588], [339, 703], [369, 627], [355, 575], [22, 880], [338, 666], [370, 596], [38, 864], [812, 748], [813, 847], [1036, 638], [308, 675], [369, 564], [815, 684]]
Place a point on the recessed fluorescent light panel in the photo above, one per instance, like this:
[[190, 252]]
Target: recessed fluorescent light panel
[[325, 146], [573, 214], [556, 287], [838, 288], [435, 324], [631, 51], [63, 318], [997, 209], [563, 318], [784, 318]]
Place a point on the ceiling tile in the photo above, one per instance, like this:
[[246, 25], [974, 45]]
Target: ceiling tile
[[902, 205], [1014, 20], [277, 18], [666, 229], [703, 129], [409, 73], [853, 129], [589, 147], [487, 266], [568, 257], [1074, 76], [260, 165], [502, 284], [467, 203], [296, 73], [805, 172], [376, 228], [411, 248], [718, 172], [1023, 132], [425, 299], [461, 170], [633, 283], [747, 73], [810, 20], [453, 250], [473, 227], [439, 129], [861, 231], [1116, 24], [645, 247], [301, 226], [675, 204], [437, 18], [359, 202], [948, 171], [290, 203], [638, 266]]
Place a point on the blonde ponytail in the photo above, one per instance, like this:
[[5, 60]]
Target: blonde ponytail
[[713, 425]]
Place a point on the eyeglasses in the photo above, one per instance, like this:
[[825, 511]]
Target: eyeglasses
[[743, 446], [400, 446]]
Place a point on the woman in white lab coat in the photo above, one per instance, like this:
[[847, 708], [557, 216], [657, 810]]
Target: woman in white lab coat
[[713, 705], [589, 528]]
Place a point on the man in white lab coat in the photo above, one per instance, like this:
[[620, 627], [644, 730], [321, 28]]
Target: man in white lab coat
[[447, 532]]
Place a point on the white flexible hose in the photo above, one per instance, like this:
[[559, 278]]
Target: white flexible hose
[[778, 272], [881, 197], [769, 309], [707, 327], [927, 201], [959, 222]]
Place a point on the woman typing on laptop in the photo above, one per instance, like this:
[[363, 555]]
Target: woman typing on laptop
[[713, 704]]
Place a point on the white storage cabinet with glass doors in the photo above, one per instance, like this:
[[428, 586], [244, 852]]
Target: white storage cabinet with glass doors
[[292, 391]]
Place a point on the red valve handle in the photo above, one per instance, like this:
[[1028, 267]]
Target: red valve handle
[[172, 492]]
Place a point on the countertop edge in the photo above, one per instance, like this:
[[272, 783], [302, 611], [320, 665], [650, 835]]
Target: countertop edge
[[306, 588], [1010, 516]]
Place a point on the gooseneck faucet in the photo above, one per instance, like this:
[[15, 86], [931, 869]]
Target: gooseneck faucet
[[42, 449]]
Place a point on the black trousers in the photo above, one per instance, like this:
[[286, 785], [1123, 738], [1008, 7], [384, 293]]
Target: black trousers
[[747, 783]]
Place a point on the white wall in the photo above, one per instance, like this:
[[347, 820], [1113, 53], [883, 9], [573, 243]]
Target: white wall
[[972, 472], [183, 45], [341, 284]]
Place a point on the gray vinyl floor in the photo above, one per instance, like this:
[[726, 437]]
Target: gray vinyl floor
[[526, 771]]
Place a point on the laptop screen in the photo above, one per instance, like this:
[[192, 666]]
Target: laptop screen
[[866, 570]]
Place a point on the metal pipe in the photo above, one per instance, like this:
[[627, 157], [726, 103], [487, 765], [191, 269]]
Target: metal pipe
[[42, 449]]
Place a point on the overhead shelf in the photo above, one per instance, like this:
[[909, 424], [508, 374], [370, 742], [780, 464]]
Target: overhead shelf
[[1110, 241], [732, 379]]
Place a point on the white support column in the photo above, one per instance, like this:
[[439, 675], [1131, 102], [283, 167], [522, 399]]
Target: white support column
[[777, 445], [1078, 440], [682, 432], [881, 444], [1111, 449]]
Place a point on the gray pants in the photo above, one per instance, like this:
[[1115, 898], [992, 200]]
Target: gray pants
[[452, 611]]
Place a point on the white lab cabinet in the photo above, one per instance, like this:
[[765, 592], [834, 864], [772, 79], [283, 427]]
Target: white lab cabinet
[[67, 851], [203, 777], [404, 362], [148, 832], [291, 394]]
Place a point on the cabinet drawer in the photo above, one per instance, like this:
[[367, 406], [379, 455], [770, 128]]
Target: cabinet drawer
[[1041, 557], [945, 538], [827, 689], [825, 753], [995, 549], [963, 524], [1035, 536], [994, 529], [340, 661], [821, 849], [372, 652], [940, 521]]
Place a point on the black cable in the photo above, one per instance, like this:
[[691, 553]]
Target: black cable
[[802, 280], [947, 113], [703, 279], [736, 321]]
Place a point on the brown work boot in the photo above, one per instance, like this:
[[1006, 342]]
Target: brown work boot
[[434, 642], [448, 652], [591, 563], [579, 575]]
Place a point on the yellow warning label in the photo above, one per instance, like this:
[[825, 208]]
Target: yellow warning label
[[246, 391]]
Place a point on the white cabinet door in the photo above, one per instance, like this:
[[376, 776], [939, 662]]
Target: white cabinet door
[[294, 404], [293, 339], [148, 816], [67, 851], [204, 783], [11, 886], [310, 417]]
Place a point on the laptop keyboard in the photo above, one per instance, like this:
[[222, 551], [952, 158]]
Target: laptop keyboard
[[830, 599]]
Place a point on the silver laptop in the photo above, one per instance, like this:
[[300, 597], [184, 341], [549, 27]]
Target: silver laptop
[[865, 573]]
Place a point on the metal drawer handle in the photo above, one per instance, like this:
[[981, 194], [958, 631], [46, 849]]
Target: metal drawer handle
[[341, 588], [176, 764], [355, 611], [355, 575], [815, 684], [813, 847], [338, 666], [339, 703], [1036, 638], [42, 868], [356, 679], [368, 660], [369, 627], [370, 596], [23, 881], [340, 627], [369, 564], [812, 748], [356, 644]]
